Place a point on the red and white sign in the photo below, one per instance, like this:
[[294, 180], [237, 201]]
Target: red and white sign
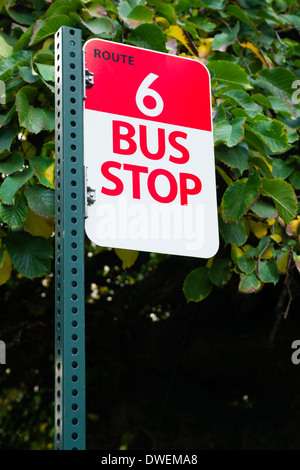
[[148, 150]]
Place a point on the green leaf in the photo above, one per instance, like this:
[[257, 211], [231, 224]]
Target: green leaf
[[41, 200], [30, 255], [219, 272], [268, 271], [243, 99], [239, 197], [141, 14], [283, 196], [7, 135], [226, 38], [235, 157], [228, 73], [264, 210], [197, 285], [163, 9], [234, 232], [278, 81], [50, 123], [33, 119], [293, 20], [241, 15], [24, 39], [22, 16], [38, 225], [6, 118], [249, 283], [6, 48], [246, 264], [27, 75], [254, 142], [262, 100], [50, 27], [281, 169], [183, 5], [96, 10], [14, 215], [59, 7], [279, 105], [230, 132], [44, 57], [294, 179], [101, 27], [12, 163], [12, 183], [202, 24], [9, 65], [126, 6], [128, 257], [148, 36], [214, 4], [44, 170], [46, 71], [262, 163], [272, 133]]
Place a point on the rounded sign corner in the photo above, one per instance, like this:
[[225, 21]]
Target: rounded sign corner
[[213, 250]]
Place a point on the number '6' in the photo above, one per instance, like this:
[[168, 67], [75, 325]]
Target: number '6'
[[144, 91]]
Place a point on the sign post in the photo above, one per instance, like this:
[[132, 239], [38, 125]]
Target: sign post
[[134, 159], [69, 243], [148, 151]]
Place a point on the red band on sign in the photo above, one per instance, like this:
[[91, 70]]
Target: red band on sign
[[143, 84]]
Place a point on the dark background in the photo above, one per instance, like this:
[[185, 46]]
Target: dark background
[[214, 375]]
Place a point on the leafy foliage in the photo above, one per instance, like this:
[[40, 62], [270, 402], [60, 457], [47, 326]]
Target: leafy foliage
[[252, 52]]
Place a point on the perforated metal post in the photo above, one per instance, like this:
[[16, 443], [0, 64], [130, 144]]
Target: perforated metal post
[[69, 243]]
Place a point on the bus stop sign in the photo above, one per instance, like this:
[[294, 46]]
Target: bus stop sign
[[148, 151]]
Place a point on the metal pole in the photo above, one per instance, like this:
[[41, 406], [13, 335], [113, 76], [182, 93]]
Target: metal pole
[[69, 243]]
